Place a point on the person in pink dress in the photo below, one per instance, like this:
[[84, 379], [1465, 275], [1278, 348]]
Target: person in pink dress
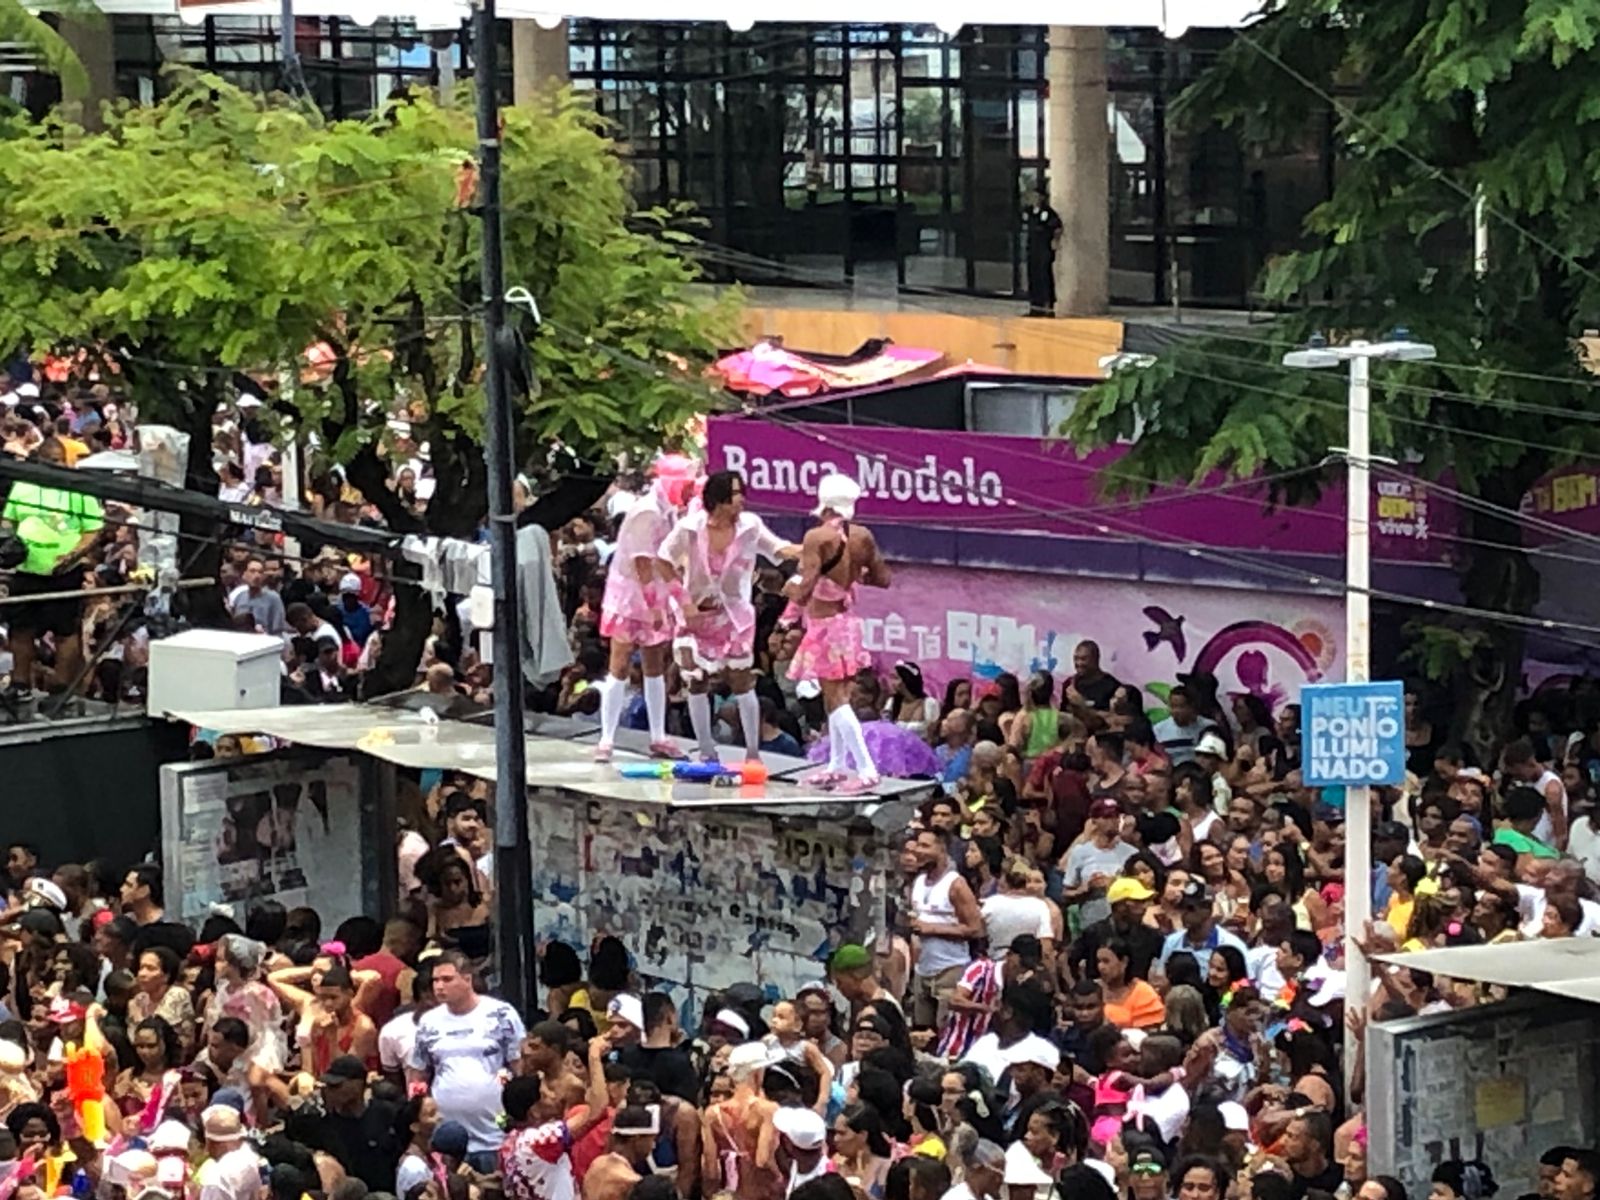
[[636, 613], [835, 558], [710, 560]]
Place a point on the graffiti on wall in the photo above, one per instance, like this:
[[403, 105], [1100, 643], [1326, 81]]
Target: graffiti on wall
[[703, 900], [960, 623]]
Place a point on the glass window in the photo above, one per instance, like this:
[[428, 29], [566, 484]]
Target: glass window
[[1029, 115]]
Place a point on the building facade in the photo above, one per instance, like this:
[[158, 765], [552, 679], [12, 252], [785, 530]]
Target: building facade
[[885, 159]]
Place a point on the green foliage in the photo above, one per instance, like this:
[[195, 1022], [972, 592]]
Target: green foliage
[[1393, 244], [1433, 103], [27, 29], [221, 231], [1438, 651]]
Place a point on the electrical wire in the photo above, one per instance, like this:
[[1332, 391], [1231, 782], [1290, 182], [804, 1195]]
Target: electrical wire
[[1099, 521], [1322, 583], [730, 256], [1434, 173], [1142, 504], [720, 403], [1515, 515]]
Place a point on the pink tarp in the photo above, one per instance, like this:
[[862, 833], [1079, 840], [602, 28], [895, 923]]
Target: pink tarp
[[766, 370]]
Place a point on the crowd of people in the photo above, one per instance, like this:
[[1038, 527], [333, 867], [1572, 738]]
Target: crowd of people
[[1111, 965], [1146, 1005]]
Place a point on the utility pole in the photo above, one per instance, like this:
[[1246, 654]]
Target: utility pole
[[1358, 622], [513, 929], [289, 58]]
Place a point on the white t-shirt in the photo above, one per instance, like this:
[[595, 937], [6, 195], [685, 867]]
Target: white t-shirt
[[1084, 862], [1005, 917], [234, 1176], [1169, 1110], [395, 1041], [987, 1052], [465, 1054], [1531, 903], [413, 1169], [1583, 839], [1545, 830], [1262, 963]]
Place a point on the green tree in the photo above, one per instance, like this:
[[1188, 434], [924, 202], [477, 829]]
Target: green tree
[[1432, 101], [37, 36], [220, 232]]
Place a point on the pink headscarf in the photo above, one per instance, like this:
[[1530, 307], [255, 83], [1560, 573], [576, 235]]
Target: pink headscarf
[[675, 475]]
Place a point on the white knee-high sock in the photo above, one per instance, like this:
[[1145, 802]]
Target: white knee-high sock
[[750, 722], [836, 761], [700, 718], [655, 704], [855, 742], [613, 692]]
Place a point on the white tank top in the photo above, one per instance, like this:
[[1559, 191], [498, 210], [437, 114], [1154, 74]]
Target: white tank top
[[930, 900]]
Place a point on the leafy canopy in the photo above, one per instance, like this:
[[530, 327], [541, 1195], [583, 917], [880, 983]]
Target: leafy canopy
[[1432, 100], [219, 231]]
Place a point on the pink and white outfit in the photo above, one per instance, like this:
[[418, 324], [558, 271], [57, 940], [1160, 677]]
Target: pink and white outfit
[[639, 611], [632, 610], [718, 619], [832, 649]]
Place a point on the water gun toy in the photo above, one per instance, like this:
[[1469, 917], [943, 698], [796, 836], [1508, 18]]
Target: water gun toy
[[85, 1072], [715, 774]]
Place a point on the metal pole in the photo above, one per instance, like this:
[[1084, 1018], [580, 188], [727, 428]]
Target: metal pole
[[512, 853], [289, 57], [1357, 641]]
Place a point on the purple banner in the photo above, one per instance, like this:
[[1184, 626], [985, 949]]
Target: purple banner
[[976, 482], [1569, 497], [959, 623]]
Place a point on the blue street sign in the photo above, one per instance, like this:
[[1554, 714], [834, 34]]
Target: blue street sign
[[1352, 734]]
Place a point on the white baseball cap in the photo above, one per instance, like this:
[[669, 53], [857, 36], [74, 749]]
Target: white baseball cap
[[627, 1008], [802, 1126], [752, 1056], [1234, 1116], [45, 892], [1036, 1050], [1211, 743]]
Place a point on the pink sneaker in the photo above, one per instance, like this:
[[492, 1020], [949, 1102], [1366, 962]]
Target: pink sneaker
[[856, 785], [602, 753], [665, 750], [824, 778]]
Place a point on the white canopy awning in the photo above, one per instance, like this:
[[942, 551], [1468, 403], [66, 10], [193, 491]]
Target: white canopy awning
[[1561, 966], [409, 738]]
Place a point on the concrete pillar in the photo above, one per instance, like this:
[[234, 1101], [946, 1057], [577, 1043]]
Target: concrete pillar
[[1078, 143], [91, 40], [538, 59]]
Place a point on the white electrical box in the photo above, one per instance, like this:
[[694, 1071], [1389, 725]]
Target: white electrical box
[[204, 669]]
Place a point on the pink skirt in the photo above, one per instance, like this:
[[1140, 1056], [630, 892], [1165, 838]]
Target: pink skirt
[[717, 642], [831, 649], [636, 631]]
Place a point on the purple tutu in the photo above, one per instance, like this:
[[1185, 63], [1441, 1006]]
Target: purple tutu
[[895, 751]]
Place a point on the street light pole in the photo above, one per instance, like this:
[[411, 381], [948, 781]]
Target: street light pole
[[1358, 627], [513, 933]]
